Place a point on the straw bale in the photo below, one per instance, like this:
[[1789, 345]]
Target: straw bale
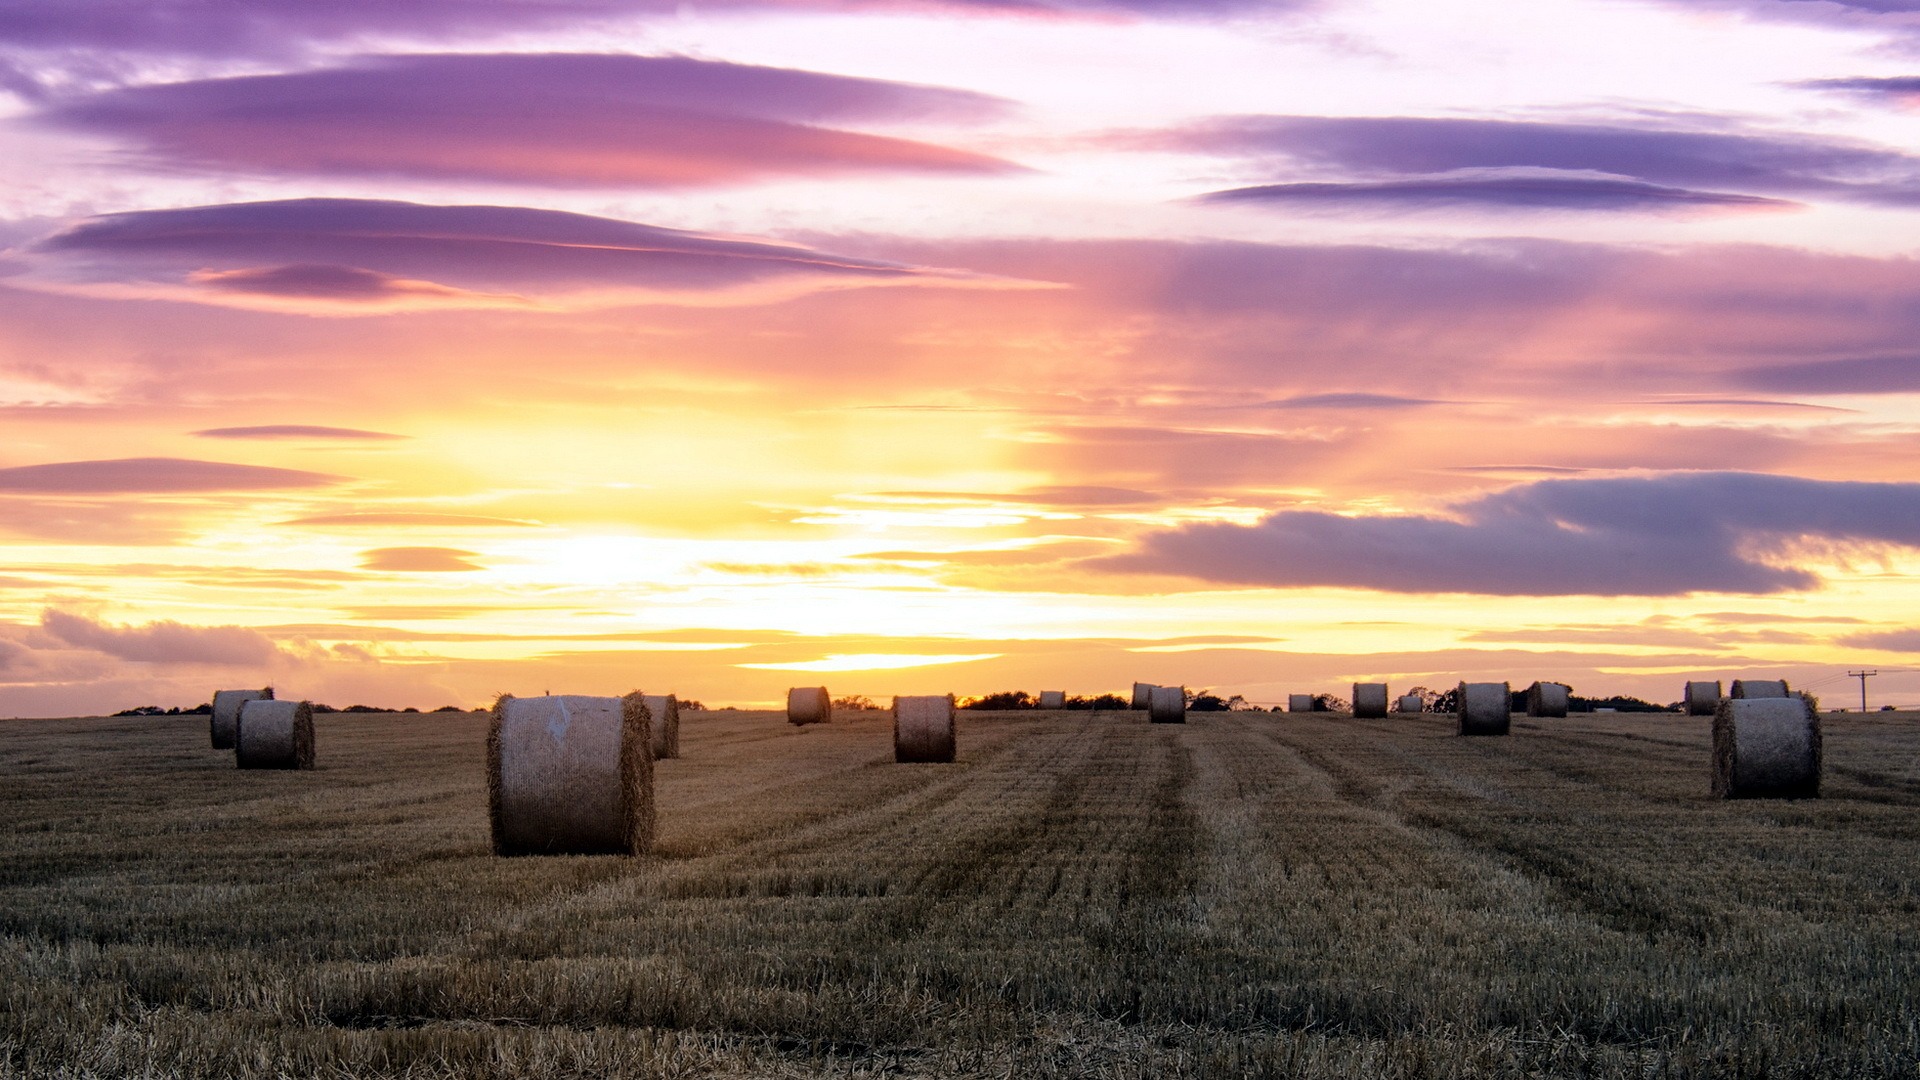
[[1299, 702], [272, 734], [1410, 703], [1369, 700], [1168, 705], [1053, 699], [809, 705], [1702, 698], [663, 719], [923, 728], [1142, 695], [1766, 748], [1759, 688], [1548, 699], [226, 713], [570, 774], [1485, 708]]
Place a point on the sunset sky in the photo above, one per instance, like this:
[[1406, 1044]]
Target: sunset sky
[[410, 351]]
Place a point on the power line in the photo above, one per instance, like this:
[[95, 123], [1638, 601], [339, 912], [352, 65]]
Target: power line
[[1863, 675]]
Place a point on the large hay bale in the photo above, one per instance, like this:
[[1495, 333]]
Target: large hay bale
[[1485, 708], [1410, 703], [1142, 695], [809, 705], [1053, 699], [1766, 748], [1299, 702], [570, 774], [1168, 705], [1702, 698], [272, 734], [923, 728], [1369, 700], [1759, 688], [226, 713], [663, 720], [1548, 699]]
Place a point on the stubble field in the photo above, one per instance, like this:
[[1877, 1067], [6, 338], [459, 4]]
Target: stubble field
[[1080, 895]]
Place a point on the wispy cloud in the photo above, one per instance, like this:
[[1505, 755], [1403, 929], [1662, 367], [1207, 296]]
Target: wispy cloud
[[162, 642]]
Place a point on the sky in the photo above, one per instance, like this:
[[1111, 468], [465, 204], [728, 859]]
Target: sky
[[406, 352]]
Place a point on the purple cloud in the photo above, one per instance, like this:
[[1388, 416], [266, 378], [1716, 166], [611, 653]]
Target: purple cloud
[[294, 431], [1535, 192], [434, 560], [128, 476], [1902, 89], [1347, 401], [162, 642], [1637, 536], [573, 120], [288, 252], [1864, 375], [1565, 165], [272, 28], [1907, 641]]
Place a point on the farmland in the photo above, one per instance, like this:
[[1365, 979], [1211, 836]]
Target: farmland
[[1081, 894]]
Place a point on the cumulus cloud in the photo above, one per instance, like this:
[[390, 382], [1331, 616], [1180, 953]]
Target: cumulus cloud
[[420, 560], [1414, 161], [1633, 536], [295, 431], [162, 642], [153, 476], [464, 256], [570, 120]]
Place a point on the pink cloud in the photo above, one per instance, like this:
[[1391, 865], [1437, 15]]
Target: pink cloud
[[162, 642], [420, 560]]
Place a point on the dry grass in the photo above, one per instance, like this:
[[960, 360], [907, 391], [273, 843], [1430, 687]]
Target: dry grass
[[1080, 895]]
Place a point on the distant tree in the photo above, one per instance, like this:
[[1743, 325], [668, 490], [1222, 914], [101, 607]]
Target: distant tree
[[690, 705], [362, 708], [1331, 703], [146, 710], [851, 701], [1102, 702], [1004, 701], [1237, 703], [449, 708], [321, 706], [1446, 701], [1207, 703], [410, 709], [1618, 703]]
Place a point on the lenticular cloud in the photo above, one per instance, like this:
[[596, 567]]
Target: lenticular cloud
[[552, 119], [361, 255]]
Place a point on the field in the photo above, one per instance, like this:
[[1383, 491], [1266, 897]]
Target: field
[[1081, 895]]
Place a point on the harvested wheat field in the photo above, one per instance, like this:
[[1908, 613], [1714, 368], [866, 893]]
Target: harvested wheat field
[[1080, 894]]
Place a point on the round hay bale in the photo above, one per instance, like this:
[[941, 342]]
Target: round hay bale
[[1548, 699], [1168, 705], [809, 705], [226, 713], [272, 734], [1485, 708], [1766, 748], [1299, 702], [1702, 698], [1369, 700], [1410, 703], [1759, 688], [663, 719], [1053, 699], [1143, 695], [923, 728], [570, 774]]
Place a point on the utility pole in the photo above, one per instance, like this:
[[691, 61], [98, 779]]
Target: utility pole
[[1863, 676]]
